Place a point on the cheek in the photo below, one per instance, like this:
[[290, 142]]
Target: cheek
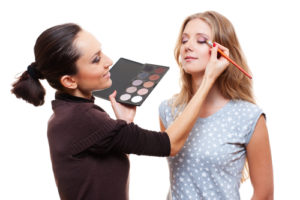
[[90, 76], [204, 54]]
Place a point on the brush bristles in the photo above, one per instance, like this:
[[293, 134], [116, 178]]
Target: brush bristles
[[209, 43]]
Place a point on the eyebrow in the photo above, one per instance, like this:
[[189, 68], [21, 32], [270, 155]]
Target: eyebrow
[[97, 53], [201, 34]]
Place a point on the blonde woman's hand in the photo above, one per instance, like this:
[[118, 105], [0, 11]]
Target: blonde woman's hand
[[122, 111], [215, 65]]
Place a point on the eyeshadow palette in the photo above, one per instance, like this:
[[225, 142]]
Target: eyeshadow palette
[[133, 81]]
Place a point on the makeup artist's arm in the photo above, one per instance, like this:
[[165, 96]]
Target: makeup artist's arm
[[179, 130], [260, 162]]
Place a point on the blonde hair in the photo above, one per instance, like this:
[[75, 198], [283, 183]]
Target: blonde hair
[[232, 83]]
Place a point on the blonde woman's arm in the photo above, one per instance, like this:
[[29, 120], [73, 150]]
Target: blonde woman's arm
[[260, 162], [179, 130]]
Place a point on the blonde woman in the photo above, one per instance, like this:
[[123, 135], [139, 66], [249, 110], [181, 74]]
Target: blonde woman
[[230, 133]]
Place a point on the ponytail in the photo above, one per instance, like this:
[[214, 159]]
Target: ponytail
[[29, 88], [55, 56]]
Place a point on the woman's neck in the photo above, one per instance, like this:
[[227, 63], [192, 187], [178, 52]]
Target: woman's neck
[[79, 93], [214, 98]]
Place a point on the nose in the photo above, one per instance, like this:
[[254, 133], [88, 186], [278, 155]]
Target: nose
[[108, 62], [188, 46]]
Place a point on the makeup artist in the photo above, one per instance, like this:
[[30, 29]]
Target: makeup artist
[[230, 133], [88, 148]]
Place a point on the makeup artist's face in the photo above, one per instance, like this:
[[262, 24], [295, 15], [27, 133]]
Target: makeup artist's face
[[93, 65], [194, 52]]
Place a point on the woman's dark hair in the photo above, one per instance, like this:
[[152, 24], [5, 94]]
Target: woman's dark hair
[[55, 56]]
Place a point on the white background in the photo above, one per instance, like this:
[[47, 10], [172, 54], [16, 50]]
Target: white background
[[146, 31]]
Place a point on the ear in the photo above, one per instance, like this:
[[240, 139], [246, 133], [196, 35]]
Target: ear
[[68, 82]]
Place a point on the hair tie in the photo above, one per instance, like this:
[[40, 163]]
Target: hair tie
[[33, 72]]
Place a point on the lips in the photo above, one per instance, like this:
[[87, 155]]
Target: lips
[[190, 58], [106, 75]]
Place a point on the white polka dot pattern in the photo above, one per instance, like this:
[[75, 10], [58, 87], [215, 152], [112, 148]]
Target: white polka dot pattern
[[209, 166]]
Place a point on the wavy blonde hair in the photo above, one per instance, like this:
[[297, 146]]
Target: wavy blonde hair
[[232, 83]]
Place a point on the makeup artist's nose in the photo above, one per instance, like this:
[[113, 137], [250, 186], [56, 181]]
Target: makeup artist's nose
[[108, 62]]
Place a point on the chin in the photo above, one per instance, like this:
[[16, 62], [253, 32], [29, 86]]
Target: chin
[[193, 69], [105, 85], [109, 83]]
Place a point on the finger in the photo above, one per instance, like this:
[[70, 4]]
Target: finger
[[129, 106], [112, 97], [222, 48], [214, 51]]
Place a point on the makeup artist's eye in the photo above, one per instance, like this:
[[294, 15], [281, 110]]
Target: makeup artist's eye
[[96, 59]]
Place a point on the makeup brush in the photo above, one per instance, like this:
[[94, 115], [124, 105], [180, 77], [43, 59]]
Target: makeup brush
[[234, 63]]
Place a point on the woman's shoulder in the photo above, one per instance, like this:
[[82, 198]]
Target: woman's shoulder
[[245, 105], [246, 110], [247, 114], [167, 107], [167, 103], [76, 112], [165, 111]]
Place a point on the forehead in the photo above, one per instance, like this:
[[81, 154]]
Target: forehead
[[86, 43], [197, 26]]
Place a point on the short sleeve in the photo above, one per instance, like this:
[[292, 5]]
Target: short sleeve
[[253, 114], [162, 113]]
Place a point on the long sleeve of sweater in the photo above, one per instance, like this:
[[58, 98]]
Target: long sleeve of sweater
[[111, 135]]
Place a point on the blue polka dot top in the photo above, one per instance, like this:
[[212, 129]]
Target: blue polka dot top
[[210, 164]]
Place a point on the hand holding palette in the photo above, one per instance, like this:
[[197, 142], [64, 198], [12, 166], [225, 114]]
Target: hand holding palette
[[133, 81]]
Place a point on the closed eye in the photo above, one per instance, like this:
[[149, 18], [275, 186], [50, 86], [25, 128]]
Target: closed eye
[[183, 41], [201, 41]]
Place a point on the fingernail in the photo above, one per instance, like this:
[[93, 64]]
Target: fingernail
[[214, 44]]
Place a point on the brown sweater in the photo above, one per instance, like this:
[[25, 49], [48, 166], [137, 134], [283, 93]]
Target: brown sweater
[[88, 149]]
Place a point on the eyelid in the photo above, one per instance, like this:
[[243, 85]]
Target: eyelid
[[202, 40], [97, 55], [184, 39], [202, 37], [96, 59]]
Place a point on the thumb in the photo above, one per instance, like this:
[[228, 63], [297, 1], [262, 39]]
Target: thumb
[[112, 96]]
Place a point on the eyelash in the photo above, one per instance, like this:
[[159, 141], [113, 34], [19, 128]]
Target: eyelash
[[96, 60], [183, 42], [199, 41]]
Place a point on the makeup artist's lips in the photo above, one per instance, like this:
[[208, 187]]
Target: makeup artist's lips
[[190, 58], [107, 75]]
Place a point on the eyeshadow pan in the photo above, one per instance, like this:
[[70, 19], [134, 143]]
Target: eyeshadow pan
[[160, 70], [148, 84], [142, 91], [137, 99], [137, 82], [125, 97], [131, 89], [143, 75], [154, 77], [148, 68]]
